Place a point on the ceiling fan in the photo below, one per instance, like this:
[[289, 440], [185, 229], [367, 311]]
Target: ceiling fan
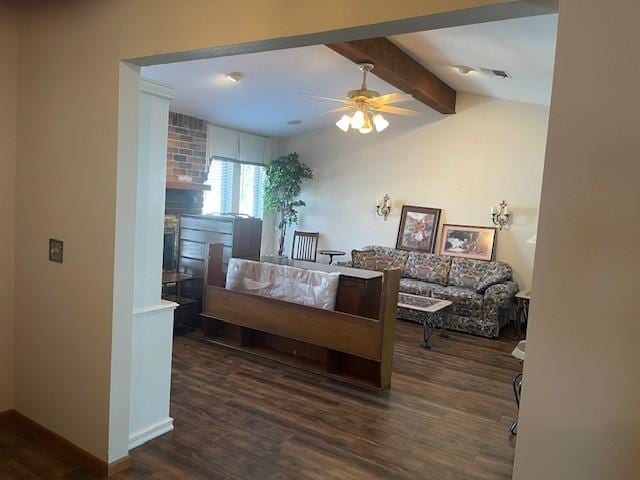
[[365, 106]]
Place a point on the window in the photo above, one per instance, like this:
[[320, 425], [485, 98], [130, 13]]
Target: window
[[251, 190], [235, 188]]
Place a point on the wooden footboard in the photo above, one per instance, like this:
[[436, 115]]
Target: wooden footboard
[[351, 348]]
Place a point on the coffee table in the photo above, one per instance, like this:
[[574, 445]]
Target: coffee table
[[426, 310]]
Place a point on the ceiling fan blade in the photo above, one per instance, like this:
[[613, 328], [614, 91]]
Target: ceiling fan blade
[[321, 97], [398, 111], [340, 109], [392, 98]]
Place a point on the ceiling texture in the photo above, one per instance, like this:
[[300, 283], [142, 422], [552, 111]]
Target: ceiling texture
[[267, 97]]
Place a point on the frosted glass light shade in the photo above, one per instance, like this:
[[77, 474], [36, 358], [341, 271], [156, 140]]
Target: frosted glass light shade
[[357, 121], [344, 123], [380, 122]]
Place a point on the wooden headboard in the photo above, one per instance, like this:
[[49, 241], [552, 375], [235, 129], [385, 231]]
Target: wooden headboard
[[350, 348]]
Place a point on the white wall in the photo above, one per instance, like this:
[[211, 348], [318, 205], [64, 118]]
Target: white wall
[[464, 163], [8, 106], [580, 416]]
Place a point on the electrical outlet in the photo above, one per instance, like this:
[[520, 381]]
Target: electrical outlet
[[55, 250]]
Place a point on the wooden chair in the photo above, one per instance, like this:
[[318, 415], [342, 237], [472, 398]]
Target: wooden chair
[[305, 246]]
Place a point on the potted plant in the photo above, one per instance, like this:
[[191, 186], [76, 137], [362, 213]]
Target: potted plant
[[282, 187]]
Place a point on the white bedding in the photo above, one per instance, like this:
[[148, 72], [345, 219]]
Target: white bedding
[[297, 285]]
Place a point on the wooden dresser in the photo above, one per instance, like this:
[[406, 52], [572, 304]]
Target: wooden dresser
[[241, 237]]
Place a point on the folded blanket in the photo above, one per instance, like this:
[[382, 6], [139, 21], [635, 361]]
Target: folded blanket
[[282, 282]]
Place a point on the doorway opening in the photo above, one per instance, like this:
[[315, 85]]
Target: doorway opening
[[223, 130]]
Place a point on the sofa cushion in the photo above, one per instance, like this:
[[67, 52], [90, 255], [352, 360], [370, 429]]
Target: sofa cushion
[[387, 258], [495, 273], [415, 287], [365, 259], [466, 272], [428, 267], [465, 302]]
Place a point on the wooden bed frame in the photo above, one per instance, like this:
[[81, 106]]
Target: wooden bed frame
[[350, 348]]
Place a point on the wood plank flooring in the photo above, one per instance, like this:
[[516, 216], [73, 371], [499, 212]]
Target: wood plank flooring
[[238, 417]]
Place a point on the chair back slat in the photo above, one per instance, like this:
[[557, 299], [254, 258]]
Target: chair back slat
[[305, 246]]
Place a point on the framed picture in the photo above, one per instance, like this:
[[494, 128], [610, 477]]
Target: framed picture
[[418, 228], [468, 242]]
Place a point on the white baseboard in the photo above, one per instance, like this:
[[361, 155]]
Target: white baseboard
[[143, 436]]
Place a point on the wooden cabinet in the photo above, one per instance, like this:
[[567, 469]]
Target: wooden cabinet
[[359, 296], [241, 237]]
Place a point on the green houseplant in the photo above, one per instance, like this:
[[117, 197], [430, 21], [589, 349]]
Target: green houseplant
[[283, 184]]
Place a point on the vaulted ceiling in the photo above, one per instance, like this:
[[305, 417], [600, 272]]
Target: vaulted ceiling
[[267, 98]]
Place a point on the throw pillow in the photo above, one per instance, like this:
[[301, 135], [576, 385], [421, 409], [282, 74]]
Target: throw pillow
[[495, 273], [428, 267], [365, 259]]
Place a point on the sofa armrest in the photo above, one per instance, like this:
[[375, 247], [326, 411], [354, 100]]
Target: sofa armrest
[[343, 263], [502, 294]]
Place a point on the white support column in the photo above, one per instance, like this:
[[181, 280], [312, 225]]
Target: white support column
[[152, 317]]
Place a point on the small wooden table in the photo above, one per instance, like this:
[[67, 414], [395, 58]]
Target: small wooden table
[[178, 278], [188, 308], [331, 254], [521, 314], [430, 308]]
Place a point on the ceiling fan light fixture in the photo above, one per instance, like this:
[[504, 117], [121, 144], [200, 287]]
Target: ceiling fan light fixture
[[367, 127], [344, 123], [380, 122], [358, 120]]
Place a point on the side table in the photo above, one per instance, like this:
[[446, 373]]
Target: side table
[[519, 354], [521, 316], [331, 254]]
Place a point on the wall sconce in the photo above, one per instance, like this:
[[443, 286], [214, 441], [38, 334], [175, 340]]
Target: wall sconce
[[501, 215], [383, 208]]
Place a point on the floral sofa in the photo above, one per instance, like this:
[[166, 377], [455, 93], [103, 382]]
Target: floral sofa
[[482, 292]]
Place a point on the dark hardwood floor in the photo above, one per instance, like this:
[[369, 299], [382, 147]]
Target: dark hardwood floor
[[239, 417]]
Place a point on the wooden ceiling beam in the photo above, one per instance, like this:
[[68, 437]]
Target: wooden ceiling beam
[[394, 66]]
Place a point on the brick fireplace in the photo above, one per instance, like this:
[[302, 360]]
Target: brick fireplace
[[187, 165]]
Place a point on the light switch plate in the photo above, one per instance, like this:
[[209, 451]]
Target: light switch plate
[[55, 250]]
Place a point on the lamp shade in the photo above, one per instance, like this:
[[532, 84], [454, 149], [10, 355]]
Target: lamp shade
[[357, 121], [343, 123], [380, 122]]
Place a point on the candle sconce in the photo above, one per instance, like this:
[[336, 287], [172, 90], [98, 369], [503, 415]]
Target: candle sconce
[[383, 207], [501, 215]]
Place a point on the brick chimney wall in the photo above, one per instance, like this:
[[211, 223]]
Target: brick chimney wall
[[186, 163], [186, 149]]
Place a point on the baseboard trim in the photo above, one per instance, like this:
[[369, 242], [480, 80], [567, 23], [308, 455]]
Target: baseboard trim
[[151, 432], [6, 416], [119, 466], [63, 446]]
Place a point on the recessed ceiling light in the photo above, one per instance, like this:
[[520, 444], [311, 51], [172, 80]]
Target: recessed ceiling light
[[294, 122], [234, 76]]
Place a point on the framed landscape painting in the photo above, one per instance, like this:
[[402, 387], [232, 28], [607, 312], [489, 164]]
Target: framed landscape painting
[[468, 242], [418, 228]]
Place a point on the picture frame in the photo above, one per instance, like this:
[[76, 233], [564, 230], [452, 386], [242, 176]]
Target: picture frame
[[468, 241], [418, 228]]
